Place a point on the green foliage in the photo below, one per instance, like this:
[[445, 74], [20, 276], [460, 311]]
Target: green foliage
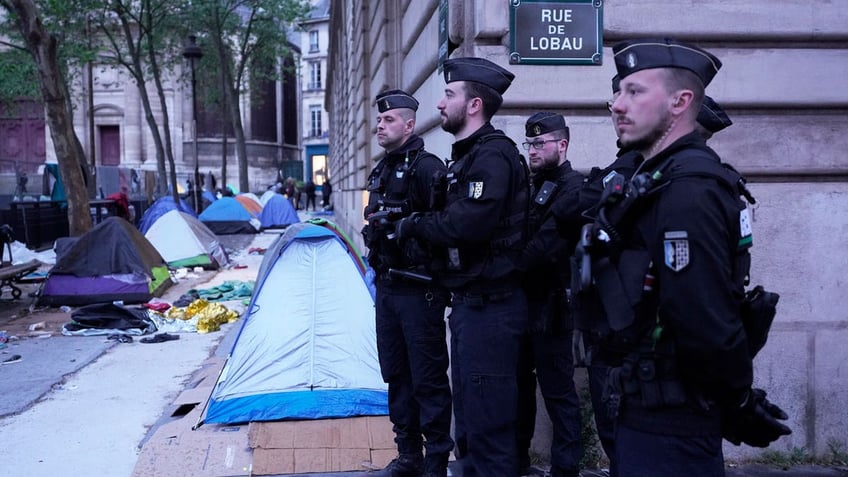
[[18, 76]]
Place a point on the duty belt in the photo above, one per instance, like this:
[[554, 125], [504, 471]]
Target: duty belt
[[477, 299]]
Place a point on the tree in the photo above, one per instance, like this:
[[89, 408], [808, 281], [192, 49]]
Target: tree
[[242, 33], [43, 47], [143, 38]]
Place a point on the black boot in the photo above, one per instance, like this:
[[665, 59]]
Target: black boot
[[435, 465], [406, 465]]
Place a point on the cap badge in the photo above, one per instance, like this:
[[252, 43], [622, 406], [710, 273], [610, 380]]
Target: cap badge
[[386, 104], [631, 60], [537, 130]]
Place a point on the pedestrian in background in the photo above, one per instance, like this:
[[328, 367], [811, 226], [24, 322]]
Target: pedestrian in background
[[309, 189]]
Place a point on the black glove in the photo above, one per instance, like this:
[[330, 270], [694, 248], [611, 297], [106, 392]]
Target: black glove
[[405, 227], [754, 421]]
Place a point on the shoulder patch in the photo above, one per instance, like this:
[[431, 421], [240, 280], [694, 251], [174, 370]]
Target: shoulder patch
[[746, 237], [475, 190], [676, 247]]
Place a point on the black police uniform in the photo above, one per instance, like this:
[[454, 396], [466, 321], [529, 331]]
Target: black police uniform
[[547, 345], [586, 306], [482, 231], [548, 342], [686, 258], [410, 314]]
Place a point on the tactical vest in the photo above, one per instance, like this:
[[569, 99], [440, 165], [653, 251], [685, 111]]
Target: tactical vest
[[395, 196], [623, 292], [497, 258]]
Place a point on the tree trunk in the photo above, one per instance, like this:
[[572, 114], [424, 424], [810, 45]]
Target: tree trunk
[[231, 97], [137, 70], [69, 153]]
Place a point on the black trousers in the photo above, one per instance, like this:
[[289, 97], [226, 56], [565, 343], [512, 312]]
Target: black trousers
[[413, 354]]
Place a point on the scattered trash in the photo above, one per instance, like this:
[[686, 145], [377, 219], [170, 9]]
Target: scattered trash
[[198, 269], [118, 302], [37, 326], [65, 309], [240, 267], [181, 273], [15, 358], [120, 338], [160, 338]]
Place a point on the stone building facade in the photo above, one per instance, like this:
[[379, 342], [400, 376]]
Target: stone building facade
[[783, 84]]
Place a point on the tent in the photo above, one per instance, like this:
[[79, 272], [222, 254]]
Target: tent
[[307, 348], [183, 241], [278, 213], [227, 216], [159, 208], [112, 261], [252, 206], [266, 196]]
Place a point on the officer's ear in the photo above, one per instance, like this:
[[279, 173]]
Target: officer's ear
[[475, 104], [681, 101]]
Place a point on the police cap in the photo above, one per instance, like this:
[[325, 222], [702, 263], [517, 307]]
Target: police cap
[[478, 70], [394, 99], [636, 55], [543, 123], [712, 117]]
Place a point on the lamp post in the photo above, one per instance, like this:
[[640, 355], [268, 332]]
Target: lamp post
[[193, 52]]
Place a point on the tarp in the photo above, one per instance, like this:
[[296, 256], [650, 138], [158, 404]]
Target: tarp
[[159, 208], [278, 213], [183, 241], [307, 348], [227, 216], [112, 261]]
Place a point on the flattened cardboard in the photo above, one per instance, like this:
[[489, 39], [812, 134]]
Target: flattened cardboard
[[301, 461], [208, 452]]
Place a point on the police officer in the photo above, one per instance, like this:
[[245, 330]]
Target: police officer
[[481, 232], [545, 262], [410, 308], [671, 259], [588, 311]]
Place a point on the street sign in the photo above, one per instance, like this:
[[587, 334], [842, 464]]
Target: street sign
[[556, 32]]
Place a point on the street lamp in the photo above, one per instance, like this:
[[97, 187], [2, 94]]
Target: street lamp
[[193, 52]]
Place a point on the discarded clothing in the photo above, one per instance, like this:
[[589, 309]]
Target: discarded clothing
[[107, 319], [229, 290]]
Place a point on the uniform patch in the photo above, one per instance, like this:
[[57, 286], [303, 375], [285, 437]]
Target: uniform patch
[[745, 229], [676, 246], [399, 173], [475, 190]]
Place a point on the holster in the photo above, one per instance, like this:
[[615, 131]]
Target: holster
[[758, 310]]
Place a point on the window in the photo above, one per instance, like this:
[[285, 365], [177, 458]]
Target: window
[[313, 41], [315, 121], [314, 75]]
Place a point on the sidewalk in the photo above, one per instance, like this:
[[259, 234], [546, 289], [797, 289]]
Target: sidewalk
[[81, 405]]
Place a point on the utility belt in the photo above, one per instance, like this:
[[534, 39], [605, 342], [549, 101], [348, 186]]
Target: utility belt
[[653, 382], [479, 299]]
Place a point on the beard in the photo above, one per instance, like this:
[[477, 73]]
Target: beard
[[455, 123], [650, 138]]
